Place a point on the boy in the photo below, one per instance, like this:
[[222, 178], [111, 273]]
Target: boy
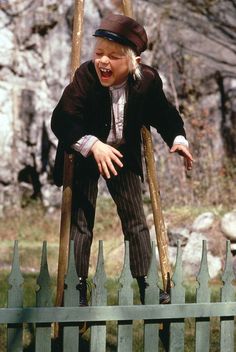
[[99, 118]]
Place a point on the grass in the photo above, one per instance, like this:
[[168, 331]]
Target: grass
[[31, 226]]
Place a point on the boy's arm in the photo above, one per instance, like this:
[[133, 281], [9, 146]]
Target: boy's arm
[[163, 115], [106, 158], [84, 145], [181, 146], [68, 118], [104, 154], [168, 122], [183, 151], [181, 140]]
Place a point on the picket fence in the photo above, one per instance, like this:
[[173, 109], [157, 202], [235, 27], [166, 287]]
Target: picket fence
[[155, 316]]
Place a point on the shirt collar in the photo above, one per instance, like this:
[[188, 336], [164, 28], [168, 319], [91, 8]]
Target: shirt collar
[[119, 86]]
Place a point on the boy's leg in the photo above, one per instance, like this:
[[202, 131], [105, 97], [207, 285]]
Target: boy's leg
[[83, 212], [125, 189]]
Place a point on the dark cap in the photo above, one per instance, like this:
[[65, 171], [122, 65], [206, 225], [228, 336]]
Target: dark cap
[[123, 30]]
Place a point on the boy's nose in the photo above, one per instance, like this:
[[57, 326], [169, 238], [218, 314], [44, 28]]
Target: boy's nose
[[104, 59]]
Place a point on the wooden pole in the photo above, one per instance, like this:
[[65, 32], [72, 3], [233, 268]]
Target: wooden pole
[[68, 163], [154, 189], [161, 234]]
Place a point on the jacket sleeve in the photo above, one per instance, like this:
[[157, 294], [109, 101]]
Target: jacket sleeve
[[68, 118], [162, 115]]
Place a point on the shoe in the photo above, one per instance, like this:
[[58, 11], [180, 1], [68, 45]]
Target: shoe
[[83, 302], [82, 287], [164, 297], [142, 284]]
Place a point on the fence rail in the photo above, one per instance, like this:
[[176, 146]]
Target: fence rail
[[111, 313], [125, 313]]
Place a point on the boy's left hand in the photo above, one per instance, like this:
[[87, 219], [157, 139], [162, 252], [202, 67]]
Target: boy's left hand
[[183, 151]]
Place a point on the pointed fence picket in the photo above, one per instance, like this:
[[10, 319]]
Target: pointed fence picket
[[203, 296], [125, 336], [158, 319], [71, 299], [43, 299], [15, 299], [99, 298], [151, 327], [177, 297], [227, 295]]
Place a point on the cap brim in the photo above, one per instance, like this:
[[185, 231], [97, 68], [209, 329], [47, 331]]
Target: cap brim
[[114, 37]]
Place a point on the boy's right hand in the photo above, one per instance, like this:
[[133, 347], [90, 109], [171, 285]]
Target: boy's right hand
[[105, 156]]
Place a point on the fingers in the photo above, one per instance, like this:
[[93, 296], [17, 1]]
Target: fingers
[[106, 168], [116, 152], [106, 157], [116, 156], [184, 151], [188, 163]]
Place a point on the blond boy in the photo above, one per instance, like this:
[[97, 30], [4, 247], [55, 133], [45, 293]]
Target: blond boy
[[99, 118]]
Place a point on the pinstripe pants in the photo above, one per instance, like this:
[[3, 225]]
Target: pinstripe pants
[[125, 189]]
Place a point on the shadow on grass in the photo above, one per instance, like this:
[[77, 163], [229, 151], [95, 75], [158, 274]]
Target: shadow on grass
[[57, 345]]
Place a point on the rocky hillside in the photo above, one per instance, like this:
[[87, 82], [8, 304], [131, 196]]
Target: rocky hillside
[[191, 43]]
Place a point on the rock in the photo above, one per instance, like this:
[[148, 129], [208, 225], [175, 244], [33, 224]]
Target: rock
[[36, 41], [214, 265], [192, 254], [149, 219], [191, 257], [203, 222], [7, 41], [51, 196], [172, 251], [228, 225], [153, 234], [152, 231], [178, 234]]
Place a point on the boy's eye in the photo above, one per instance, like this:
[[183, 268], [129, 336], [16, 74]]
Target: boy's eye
[[111, 56], [114, 57]]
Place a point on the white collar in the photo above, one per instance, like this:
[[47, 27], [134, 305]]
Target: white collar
[[119, 86]]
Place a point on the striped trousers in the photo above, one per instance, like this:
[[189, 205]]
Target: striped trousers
[[125, 189]]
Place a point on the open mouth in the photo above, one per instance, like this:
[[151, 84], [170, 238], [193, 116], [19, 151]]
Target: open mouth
[[105, 72]]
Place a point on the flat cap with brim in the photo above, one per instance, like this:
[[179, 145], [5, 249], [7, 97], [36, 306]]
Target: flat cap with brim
[[123, 30]]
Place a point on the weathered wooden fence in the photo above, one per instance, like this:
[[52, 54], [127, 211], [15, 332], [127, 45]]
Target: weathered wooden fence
[[125, 313]]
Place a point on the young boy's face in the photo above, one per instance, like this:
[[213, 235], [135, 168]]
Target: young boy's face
[[111, 63]]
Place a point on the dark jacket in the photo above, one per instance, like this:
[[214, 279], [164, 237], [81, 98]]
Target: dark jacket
[[85, 108]]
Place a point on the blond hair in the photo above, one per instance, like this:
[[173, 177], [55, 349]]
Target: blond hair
[[134, 64]]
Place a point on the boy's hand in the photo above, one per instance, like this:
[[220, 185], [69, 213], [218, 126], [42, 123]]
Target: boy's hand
[[184, 151], [106, 156]]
